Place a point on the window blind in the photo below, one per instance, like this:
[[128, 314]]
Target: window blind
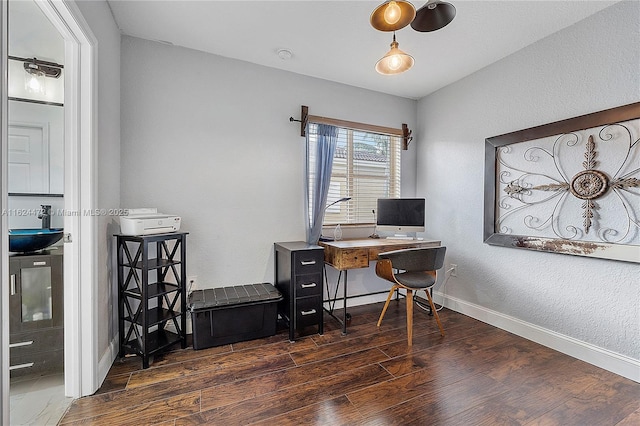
[[366, 166]]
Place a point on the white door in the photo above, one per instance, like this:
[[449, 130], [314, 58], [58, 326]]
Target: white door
[[28, 158]]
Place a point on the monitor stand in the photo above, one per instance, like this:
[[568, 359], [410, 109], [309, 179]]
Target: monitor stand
[[403, 236]]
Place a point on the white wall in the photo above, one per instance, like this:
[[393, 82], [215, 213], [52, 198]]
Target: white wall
[[590, 66], [209, 138], [98, 16]]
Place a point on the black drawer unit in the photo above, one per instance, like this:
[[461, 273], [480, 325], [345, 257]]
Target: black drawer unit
[[298, 276]]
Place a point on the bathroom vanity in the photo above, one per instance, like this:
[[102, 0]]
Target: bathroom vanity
[[36, 313]]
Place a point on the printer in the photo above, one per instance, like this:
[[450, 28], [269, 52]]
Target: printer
[[148, 221]]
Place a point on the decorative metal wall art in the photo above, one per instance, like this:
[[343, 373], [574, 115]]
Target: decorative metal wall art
[[570, 187]]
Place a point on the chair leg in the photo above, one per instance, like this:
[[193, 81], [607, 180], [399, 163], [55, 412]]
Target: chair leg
[[386, 305], [435, 313], [410, 317]]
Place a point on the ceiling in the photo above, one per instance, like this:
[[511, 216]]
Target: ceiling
[[333, 40]]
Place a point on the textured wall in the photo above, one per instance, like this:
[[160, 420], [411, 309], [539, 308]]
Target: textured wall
[[209, 138], [590, 66]]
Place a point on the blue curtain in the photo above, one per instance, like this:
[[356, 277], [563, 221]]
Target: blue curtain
[[321, 168]]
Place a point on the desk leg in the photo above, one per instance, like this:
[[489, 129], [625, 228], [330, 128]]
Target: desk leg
[[344, 304], [332, 299]]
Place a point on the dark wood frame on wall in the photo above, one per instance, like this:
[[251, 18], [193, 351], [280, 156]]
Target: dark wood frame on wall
[[623, 252]]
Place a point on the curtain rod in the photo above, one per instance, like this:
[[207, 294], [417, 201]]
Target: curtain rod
[[404, 132]]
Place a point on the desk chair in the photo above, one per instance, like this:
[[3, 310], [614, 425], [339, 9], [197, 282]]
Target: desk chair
[[419, 272]]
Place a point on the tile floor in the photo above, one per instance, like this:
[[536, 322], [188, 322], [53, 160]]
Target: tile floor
[[38, 401]]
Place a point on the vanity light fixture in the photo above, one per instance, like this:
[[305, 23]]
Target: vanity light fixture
[[395, 61], [37, 71]]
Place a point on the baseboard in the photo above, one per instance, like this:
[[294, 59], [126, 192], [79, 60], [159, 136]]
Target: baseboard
[[364, 299], [611, 361], [107, 358]]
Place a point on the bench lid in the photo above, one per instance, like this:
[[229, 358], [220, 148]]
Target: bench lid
[[234, 295]]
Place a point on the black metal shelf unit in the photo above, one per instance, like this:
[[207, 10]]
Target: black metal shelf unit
[[151, 293]]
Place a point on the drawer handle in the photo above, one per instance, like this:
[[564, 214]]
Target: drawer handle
[[17, 367], [17, 345], [307, 262], [40, 263], [311, 312], [310, 285]]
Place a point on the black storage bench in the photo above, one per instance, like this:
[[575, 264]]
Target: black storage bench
[[224, 315]]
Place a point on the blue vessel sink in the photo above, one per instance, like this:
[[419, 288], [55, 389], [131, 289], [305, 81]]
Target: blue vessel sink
[[28, 240]]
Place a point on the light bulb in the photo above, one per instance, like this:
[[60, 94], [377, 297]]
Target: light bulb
[[394, 62], [392, 13], [34, 83]]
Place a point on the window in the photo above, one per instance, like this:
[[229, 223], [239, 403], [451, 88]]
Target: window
[[366, 166]]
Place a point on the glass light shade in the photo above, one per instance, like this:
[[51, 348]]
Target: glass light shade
[[392, 15], [395, 61], [34, 83]]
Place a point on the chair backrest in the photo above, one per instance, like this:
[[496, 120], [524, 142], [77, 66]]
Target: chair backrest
[[417, 259]]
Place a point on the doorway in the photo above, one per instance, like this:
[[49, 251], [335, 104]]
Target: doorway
[[35, 182], [80, 360]]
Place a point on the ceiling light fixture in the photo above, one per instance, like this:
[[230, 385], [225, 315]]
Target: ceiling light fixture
[[396, 14], [433, 16], [392, 15], [395, 61]]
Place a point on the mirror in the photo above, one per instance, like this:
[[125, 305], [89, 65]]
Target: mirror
[[36, 101]]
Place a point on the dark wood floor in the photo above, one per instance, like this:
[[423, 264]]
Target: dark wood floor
[[475, 375]]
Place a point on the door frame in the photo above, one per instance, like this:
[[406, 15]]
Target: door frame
[[80, 271], [4, 234], [80, 257]]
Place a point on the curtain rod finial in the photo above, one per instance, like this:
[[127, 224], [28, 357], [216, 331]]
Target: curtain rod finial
[[406, 136], [304, 118]]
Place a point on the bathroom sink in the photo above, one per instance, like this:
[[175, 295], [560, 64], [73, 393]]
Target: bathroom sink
[[28, 240]]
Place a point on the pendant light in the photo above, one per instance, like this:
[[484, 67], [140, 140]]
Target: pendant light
[[395, 61], [433, 16], [392, 15]]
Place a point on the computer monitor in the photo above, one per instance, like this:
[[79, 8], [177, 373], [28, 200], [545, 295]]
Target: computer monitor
[[400, 215]]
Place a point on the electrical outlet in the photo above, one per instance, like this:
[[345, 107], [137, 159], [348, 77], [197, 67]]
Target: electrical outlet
[[454, 270], [192, 282]]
